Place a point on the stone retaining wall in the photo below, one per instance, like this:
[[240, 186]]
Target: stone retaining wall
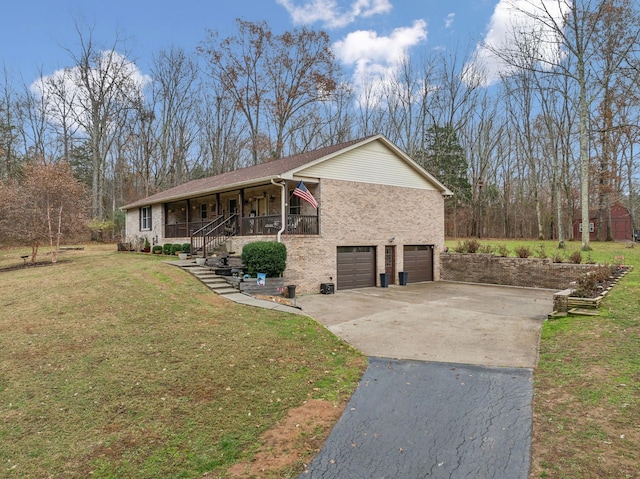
[[272, 286], [525, 272]]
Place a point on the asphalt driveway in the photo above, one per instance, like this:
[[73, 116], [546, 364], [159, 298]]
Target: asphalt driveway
[[438, 321], [421, 420], [448, 390]]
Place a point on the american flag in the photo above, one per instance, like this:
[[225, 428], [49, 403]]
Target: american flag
[[302, 192]]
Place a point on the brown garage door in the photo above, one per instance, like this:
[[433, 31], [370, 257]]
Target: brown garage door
[[418, 262], [356, 267]]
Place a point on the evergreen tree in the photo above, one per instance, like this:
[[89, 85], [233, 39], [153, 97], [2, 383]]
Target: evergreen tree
[[445, 159]]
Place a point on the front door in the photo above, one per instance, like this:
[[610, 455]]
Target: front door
[[390, 263]]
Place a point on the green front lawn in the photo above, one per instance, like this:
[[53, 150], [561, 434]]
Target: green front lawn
[[115, 365]]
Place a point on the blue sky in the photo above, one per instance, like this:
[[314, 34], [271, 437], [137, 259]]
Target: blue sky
[[369, 36], [35, 33]]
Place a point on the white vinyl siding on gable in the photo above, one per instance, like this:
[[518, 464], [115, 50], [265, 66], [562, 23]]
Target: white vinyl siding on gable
[[371, 163]]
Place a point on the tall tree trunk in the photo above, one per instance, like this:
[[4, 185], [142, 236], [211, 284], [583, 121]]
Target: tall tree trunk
[[583, 118]]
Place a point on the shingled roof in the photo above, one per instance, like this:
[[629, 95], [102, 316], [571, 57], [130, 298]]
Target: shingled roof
[[243, 176]]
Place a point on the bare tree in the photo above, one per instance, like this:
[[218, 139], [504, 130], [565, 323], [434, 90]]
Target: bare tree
[[9, 128], [370, 114], [408, 98], [573, 47], [301, 70], [175, 98], [58, 93], [522, 107], [237, 64], [455, 94], [272, 79], [49, 205], [36, 130], [554, 134], [219, 134], [481, 137], [617, 29], [107, 84], [327, 122]]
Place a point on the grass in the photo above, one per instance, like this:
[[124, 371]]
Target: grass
[[116, 365], [587, 383]]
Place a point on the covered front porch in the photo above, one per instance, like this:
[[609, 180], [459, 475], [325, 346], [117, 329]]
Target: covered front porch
[[257, 225], [252, 211]]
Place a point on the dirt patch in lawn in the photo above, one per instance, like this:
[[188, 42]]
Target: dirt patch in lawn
[[292, 443]]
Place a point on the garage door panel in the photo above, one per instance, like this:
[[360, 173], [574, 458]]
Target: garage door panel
[[418, 262], [356, 267]]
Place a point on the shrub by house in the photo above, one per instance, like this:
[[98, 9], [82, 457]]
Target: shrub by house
[[269, 257]]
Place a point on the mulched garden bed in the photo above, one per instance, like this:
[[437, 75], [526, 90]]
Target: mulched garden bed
[[37, 264], [594, 289]]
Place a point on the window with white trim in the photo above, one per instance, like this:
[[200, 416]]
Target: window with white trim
[[145, 218], [592, 228], [294, 205]]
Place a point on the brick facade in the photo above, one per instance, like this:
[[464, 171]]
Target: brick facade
[[350, 214], [370, 194], [134, 234], [359, 214]]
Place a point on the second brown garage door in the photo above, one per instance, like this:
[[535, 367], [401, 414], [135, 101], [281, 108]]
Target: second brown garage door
[[356, 267], [418, 262]]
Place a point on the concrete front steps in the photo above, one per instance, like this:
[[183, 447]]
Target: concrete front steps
[[214, 282], [219, 285]]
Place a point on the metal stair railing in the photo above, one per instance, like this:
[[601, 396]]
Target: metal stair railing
[[213, 234]]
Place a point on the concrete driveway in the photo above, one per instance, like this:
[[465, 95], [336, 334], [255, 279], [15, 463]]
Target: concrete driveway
[[438, 321]]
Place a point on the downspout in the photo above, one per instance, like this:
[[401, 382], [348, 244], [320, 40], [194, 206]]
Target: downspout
[[283, 219]]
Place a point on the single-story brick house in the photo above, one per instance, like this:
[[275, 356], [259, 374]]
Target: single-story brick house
[[378, 211]]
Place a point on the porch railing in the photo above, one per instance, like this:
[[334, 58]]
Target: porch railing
[[256, 225], [270, 225], [213, 234], [184, 230]]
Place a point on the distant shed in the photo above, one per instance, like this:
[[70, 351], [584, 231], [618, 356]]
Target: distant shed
[[621, 224]]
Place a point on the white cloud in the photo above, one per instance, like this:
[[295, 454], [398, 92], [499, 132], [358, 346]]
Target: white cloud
[[330, 14], [376, 58], [511, 18], [64, 91], [449, 20]]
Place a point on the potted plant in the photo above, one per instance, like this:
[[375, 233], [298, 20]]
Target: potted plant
[[185, 251], [147, 246], [157, 249]]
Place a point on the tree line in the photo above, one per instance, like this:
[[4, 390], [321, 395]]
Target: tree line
[[554, 136]]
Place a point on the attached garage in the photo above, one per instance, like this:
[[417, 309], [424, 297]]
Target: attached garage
[[418, 262], [356, 267]]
